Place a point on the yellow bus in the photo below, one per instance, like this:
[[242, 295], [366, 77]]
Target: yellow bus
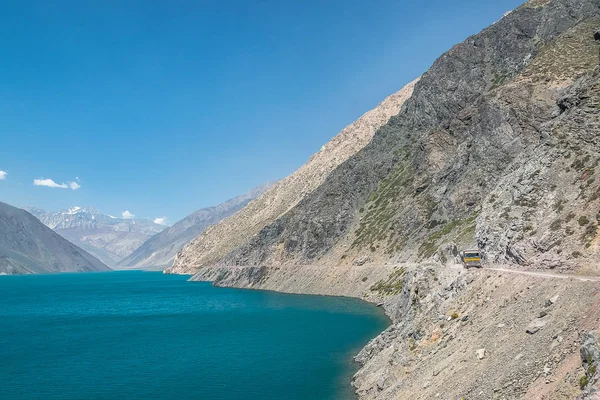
[[471, 258]]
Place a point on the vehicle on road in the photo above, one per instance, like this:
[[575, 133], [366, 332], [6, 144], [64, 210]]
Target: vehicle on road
[[471, 258]]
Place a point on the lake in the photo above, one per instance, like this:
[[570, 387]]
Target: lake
[[145, 335]]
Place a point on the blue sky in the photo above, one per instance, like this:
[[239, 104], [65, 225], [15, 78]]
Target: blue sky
[[164, 107]]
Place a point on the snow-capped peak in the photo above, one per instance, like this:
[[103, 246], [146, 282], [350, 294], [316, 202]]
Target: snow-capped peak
[[74, 210]]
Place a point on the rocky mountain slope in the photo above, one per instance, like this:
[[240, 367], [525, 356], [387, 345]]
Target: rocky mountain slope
[[224, 237], [159, 251], [27, 247], [497, 147], [456, 333], [106, 237]]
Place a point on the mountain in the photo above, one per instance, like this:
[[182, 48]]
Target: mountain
[[106, 237], [222, 238], [27, 247], [160, 249], [497, 147]]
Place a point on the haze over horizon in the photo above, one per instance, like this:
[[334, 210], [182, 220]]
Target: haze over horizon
[[157, 110]]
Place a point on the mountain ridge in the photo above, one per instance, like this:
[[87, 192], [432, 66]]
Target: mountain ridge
[[160, 249], [27, 246], [415, 192], [222, 238], [106, 237], [497, 149]]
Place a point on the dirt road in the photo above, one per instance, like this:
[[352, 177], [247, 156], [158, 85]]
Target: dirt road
[[546, 274]]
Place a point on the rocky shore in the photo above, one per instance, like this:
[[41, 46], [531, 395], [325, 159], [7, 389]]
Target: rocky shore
[[456, 333]]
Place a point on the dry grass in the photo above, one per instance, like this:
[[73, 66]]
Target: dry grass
[[567, 57]]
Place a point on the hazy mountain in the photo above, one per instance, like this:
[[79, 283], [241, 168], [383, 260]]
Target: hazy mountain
[[106, 237], [28, 247], [160, 249]]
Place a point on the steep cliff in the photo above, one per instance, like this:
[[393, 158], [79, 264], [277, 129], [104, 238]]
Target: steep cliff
[[497, 141], [219, 240]]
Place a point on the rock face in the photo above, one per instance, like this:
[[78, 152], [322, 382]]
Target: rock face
[[105, 237], [497, 147], [28, 247], [224, 237], [159, 251], [590, 358]]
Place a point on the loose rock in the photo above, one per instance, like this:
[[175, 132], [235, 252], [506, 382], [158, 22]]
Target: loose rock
[[480, 354], [536, 325]]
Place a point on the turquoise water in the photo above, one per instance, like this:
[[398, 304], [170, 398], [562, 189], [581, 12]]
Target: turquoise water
[[145, 335]]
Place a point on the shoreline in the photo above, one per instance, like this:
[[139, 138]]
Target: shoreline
[[262, 278], [353, 359], [440, 318]]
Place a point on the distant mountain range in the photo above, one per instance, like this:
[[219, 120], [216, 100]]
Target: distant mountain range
[[160, 250], [136, 243], [27, 246], [106, 237]]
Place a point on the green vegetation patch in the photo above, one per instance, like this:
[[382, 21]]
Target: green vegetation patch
[[589, 233], [379, 213], [465, 232], [390, 286]]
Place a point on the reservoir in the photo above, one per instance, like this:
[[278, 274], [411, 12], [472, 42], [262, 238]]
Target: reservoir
[[145, 335]]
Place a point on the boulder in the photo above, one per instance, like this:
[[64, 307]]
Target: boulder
[[536, 325], [590, 356], [480, 354], [551, 301], [590, 349]]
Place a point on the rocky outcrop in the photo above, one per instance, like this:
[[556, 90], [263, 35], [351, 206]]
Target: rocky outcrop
[[29, 247], [224, 237], [590, 358], [459, 334], [160, 250]]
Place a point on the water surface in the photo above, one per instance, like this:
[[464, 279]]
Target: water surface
[[145, 335]]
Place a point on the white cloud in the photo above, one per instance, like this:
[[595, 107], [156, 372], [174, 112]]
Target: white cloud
[[50, 183], [3, 175], [74, 185], [127, 215], [161, 220]]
